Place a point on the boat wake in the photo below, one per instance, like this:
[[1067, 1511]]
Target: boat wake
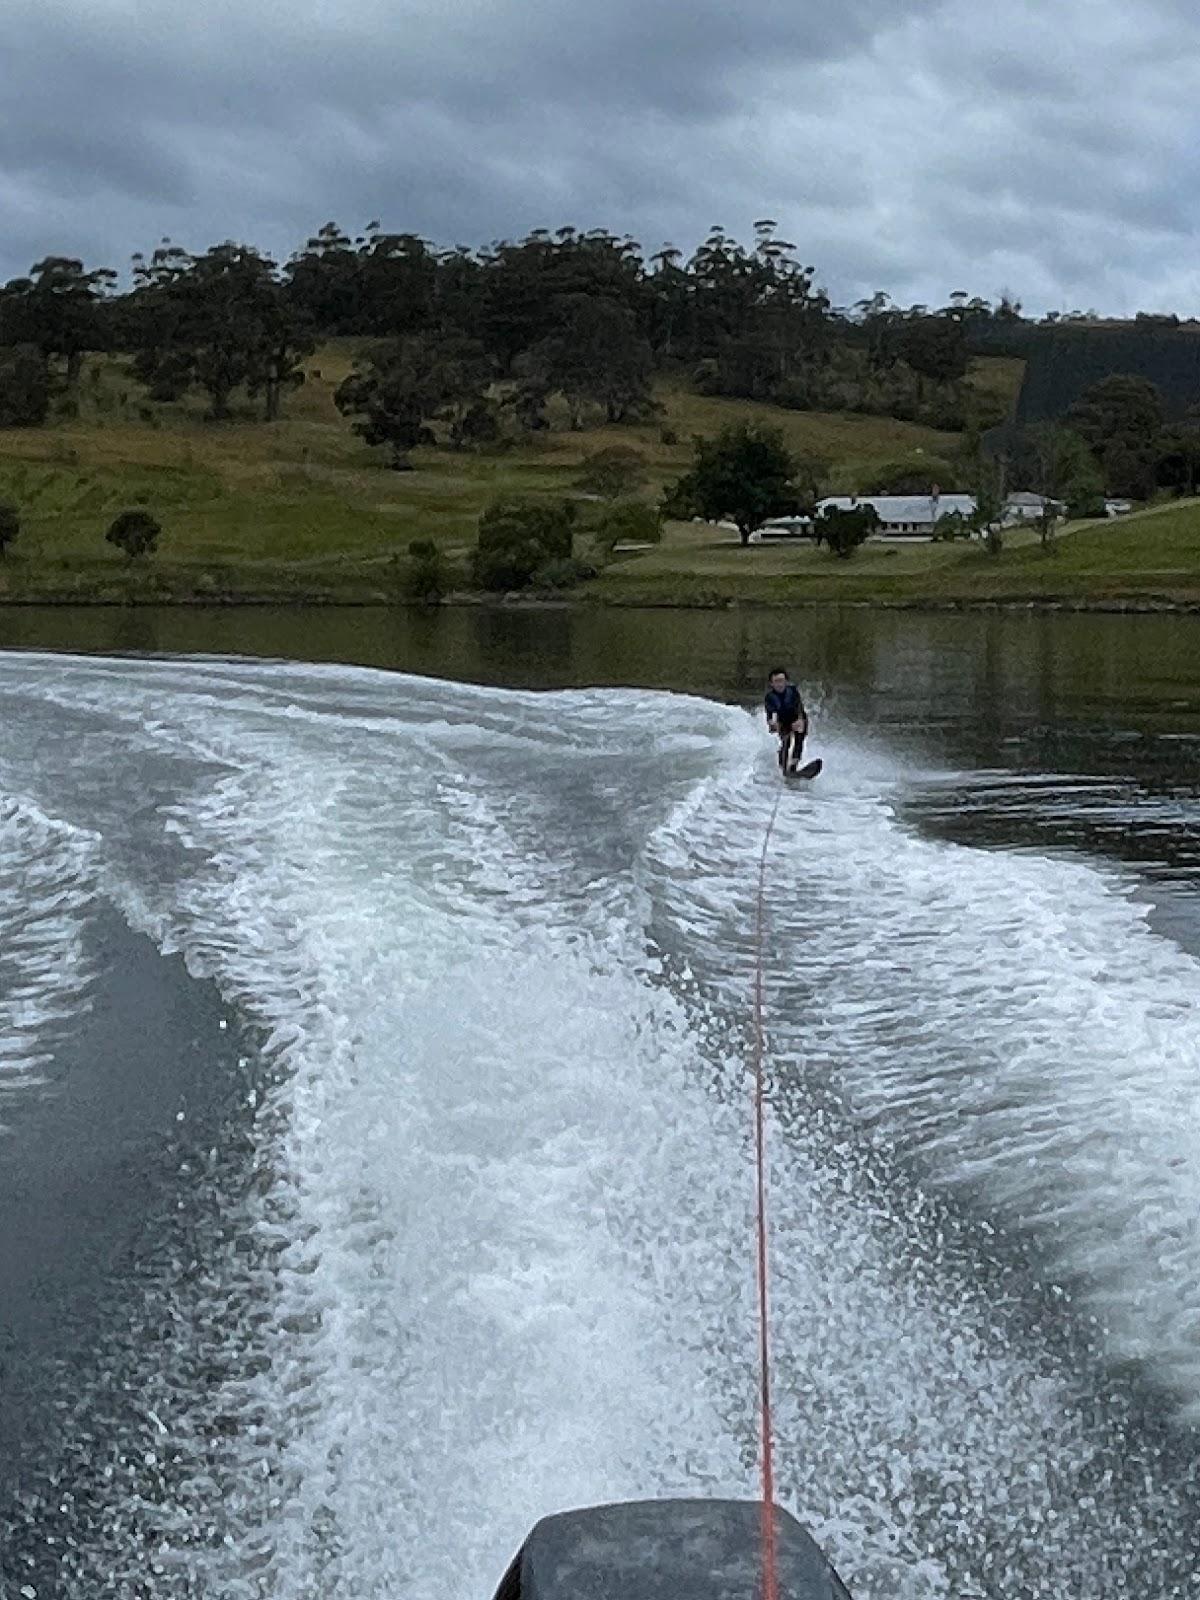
[[472, 1241]]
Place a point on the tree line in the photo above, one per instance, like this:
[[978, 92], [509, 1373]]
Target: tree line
[[473, 342], [470, 348]]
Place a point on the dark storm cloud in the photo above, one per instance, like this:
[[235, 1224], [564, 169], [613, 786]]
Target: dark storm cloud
[[918, 146]]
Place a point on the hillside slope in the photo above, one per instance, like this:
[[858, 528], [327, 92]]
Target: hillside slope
[[302, 508]]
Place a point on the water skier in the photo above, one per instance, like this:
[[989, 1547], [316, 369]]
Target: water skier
[[786, 718]]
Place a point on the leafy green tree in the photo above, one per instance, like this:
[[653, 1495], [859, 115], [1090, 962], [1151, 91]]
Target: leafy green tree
[[474, 423], [402, 390], [528, 288], [760, 327], [950, 526], [1057, 463], [1121, 407], [745, 475], [726, 285], [1122, 420], [395, 284], [135, 532], [223, 324], [1085, 497], [58, 310], [155, 323], [627, 522], [935, 348], [323, 281], [519, 538], [597, 358], [670, 303], [220, 322], [10, 526], [1179, 454], [24, 387], [424, 578], [987, 478], [384, 400], [844, 529], [612, 473], [284, 341]]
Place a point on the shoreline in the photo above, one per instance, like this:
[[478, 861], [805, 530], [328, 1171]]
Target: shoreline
[[1140, 605]]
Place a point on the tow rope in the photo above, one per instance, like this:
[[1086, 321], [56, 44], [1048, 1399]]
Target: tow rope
[[770, 1579]]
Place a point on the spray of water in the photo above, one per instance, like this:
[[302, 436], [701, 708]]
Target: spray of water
[[478, 1244]]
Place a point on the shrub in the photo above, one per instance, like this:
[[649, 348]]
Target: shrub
[[136, 532], [844, 530], [628, 522], [612, 473], [424, 578], [950, 527], [1084, 502], [10, 526], [562, 573], [519, 537]]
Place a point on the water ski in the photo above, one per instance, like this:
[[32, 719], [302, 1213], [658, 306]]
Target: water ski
[[808, 770], [665, 1550]]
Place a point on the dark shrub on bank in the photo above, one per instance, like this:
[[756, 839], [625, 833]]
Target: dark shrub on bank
[[518, 538], [844, 530], [424, 577], [135, 532], [10, 526], [563, 573]]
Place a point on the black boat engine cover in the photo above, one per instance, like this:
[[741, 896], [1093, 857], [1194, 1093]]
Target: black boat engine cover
[[666, 1550]]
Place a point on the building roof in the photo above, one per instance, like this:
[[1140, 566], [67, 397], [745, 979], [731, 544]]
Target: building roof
[[921, 508]]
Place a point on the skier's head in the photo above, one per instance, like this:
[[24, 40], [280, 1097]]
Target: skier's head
[[779, 678]]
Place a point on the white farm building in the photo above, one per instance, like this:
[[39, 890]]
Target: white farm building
[[904, 516], [912, 516]]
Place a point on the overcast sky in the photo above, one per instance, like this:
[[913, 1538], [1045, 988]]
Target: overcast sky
[[1045, 147]]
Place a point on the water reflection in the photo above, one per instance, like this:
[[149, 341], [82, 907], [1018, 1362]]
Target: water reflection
[[976, 675]]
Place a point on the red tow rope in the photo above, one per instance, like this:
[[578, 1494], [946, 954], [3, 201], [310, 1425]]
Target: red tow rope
[[770, 1579]]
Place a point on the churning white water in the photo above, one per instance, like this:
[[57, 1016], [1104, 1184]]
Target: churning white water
[[478, 1243]]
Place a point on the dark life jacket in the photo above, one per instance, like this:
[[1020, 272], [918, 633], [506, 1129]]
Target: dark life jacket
[[784, 704]]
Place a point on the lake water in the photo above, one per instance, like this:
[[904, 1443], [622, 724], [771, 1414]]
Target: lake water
[[374, 1155]]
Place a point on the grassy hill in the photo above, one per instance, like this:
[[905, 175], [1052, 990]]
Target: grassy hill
[[301, 508]]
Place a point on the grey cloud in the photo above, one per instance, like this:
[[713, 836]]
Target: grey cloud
[[917, 146]]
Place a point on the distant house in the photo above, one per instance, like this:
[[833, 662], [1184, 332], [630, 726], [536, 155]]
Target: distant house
[[915, 516], [1027, 507], [905, 516]]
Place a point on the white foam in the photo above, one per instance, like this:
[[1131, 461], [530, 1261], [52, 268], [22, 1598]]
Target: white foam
[[503, 1180], [47, 879]]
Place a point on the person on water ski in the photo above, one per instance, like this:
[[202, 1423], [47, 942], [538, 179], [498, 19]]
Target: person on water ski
[[786, 718]]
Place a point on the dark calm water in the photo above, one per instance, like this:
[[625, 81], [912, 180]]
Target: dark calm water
[[373, 1166]]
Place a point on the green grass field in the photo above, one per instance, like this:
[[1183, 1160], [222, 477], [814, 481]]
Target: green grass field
[[301, 509], [1151, 558]]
